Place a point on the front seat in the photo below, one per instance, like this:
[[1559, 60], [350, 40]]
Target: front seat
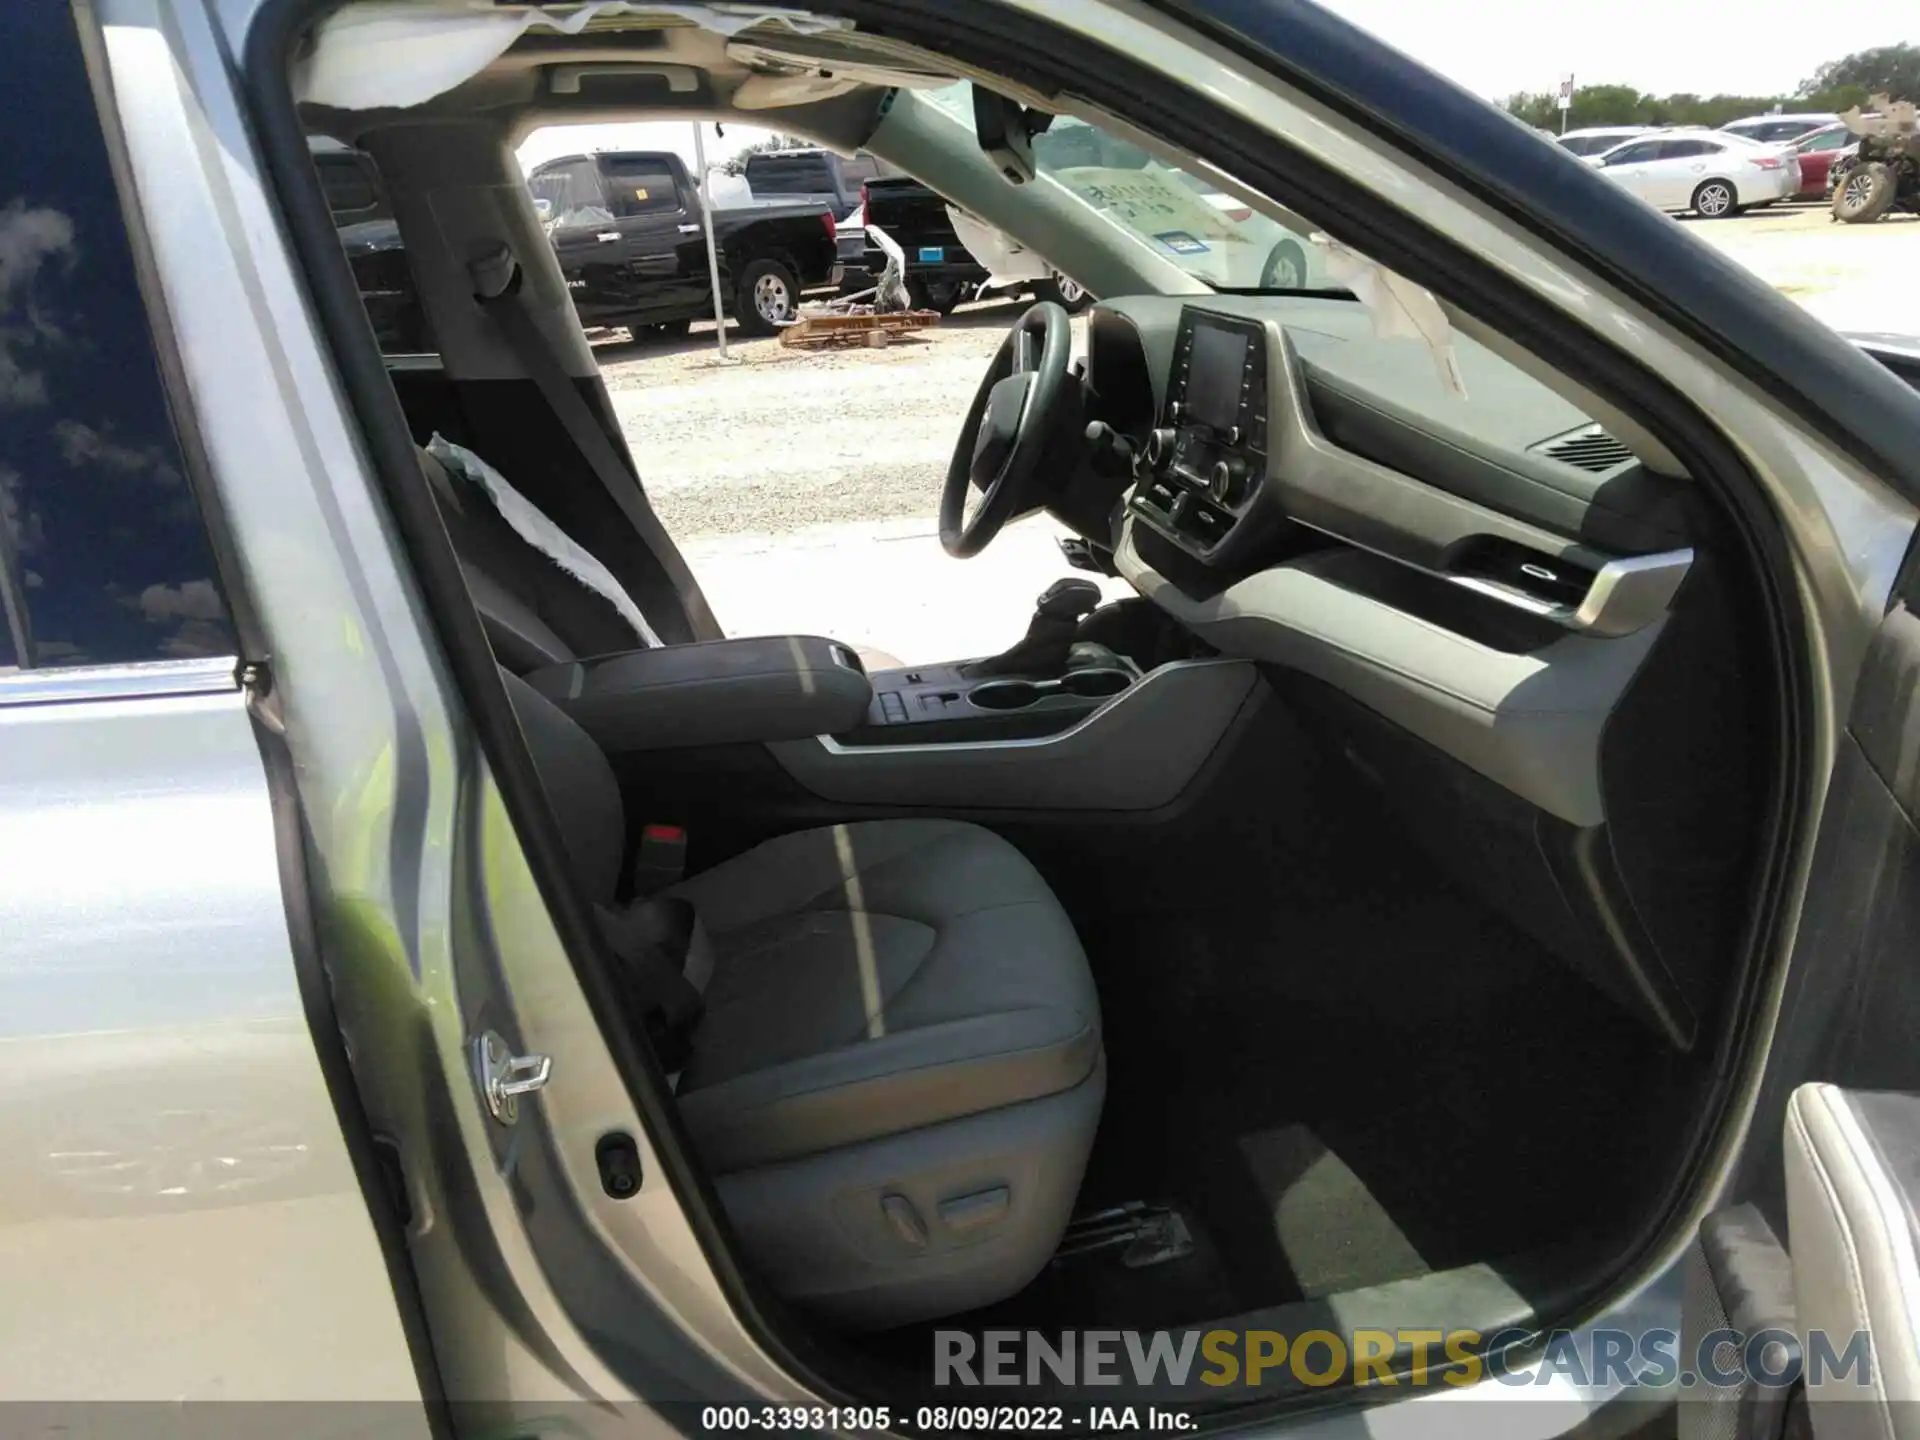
[[898, 1072], [539, 610]]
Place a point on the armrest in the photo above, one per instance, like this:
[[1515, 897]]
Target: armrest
[[772, 687]]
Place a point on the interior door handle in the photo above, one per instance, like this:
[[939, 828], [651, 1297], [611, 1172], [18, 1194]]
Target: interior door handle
[[606, 235]]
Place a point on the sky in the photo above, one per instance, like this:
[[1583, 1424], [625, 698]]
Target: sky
[[1497, 47]]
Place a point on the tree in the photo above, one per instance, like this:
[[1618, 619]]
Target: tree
[[1837, 85], [1894, 69]]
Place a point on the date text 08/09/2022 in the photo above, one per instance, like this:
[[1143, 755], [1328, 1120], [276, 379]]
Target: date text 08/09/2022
[[993, 1419]]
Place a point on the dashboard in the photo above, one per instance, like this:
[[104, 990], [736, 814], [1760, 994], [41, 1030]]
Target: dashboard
[[1487, 584], [1248, 412], [1206, 465]]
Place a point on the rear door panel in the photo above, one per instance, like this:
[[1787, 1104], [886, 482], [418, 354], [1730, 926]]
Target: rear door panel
[[1843, 1049]]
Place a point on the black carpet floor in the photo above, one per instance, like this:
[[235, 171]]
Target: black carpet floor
[[1448, 1091]]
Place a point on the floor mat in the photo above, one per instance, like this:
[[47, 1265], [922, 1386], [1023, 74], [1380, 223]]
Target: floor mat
[[1345, 1078], [1334, 1235], [1469, 1086]]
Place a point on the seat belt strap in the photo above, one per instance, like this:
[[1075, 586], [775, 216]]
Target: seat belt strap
[[655, 942], [498, 289]]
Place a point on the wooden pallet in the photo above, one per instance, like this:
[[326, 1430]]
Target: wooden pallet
[[825, 332]]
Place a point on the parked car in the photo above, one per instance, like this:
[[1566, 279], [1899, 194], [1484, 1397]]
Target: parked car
[[1714, 176], [811, 176], [627, 227], [942, 269], [364, 220], [1440, 910], [1598, 139], [1777, 129], [1817, 150]]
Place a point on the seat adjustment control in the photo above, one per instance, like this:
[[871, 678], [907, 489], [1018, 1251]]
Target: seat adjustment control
[[905, 1220], [970, 1212]]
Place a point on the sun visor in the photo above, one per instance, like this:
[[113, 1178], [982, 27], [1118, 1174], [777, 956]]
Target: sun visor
[[395, 53]]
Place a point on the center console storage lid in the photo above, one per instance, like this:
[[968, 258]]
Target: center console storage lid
[[769, 687]]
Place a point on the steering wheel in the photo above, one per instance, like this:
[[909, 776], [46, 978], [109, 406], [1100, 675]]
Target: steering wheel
[[1006, 431]]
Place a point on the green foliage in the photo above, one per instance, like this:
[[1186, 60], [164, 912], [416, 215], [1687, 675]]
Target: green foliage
[[1836, 86], [1892, 68]]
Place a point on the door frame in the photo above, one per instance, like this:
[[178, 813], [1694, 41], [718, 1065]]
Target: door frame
[[1542, 291]]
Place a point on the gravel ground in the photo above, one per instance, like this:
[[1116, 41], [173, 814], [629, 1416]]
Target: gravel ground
[[784, 439], [1854, 277]]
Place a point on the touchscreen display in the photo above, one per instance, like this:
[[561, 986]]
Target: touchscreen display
[[1213, 375]]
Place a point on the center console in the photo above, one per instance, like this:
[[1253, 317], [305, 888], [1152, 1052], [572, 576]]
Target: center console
[[791, 687], [942, 704], [1203, 467]]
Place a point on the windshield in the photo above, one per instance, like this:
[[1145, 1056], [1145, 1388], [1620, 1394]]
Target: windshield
[[1181, 217]]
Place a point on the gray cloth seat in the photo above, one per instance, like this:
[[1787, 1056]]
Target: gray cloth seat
[[535, 613], [899, 1071], [872, 978]]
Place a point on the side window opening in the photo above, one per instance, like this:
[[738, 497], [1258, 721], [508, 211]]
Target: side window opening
[[105, 556], [573, 191], [641, 187], [363, 216]]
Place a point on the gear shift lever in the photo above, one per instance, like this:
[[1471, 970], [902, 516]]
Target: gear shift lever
[[1042, 653]]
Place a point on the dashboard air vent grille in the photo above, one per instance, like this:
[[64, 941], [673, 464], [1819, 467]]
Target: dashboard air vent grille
[[1589, 449]]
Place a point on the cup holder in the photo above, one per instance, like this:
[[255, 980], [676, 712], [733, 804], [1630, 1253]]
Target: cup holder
[[1095, 684], [1005, 694]]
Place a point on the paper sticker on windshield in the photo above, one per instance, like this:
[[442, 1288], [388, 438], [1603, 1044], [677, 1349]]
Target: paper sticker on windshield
[[1181, 243], [640, 192]]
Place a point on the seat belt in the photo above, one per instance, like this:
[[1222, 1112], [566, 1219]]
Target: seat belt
[[497, 285], [664, 966]]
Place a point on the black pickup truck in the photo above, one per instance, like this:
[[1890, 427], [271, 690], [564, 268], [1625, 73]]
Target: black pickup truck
[[626, 227]]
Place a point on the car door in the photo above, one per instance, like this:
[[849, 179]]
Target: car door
[[1680, 168], [1816, 153], [587, 238], [1815, 1247], [1633, 167], [661, 238], [181, 1211]]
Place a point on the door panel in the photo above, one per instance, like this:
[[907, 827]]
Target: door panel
[[1832, 1162], [1671, 183], [169, 1130], [661, 236], [594, 253]]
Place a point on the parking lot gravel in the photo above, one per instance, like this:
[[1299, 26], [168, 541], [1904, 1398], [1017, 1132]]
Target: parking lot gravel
[[781, 439]]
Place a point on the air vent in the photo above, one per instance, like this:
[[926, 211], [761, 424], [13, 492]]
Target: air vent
[[1590, 449]]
